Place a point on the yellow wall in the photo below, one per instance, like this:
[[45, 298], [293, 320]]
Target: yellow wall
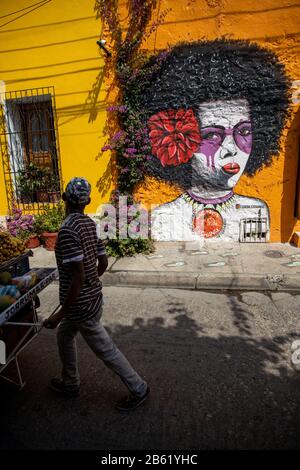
[[55, 45]]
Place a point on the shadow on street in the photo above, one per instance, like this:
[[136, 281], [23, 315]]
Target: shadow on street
[[207, 393]]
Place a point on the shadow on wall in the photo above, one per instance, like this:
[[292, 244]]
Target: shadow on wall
[[209, 391], [90, 107], [105, 182], [92, 99], [288, 218]]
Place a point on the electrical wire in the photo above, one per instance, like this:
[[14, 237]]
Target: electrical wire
[[22, 9], [40, 4]]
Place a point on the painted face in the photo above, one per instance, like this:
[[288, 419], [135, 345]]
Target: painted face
[[226, 143]]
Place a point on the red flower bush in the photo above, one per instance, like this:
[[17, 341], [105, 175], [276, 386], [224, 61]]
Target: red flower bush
[[174, 136]]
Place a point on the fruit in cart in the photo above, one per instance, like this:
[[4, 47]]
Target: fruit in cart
[[6, 301], [25, 282], [10, 247], [5, 278]]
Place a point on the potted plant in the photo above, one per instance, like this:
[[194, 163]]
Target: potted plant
[[37, 184], [22, 226], [25, 188], [53, 189], [48, 224], [31, 239], [42, 181]]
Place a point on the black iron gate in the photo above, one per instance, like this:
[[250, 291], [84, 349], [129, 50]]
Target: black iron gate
[[29, 149]]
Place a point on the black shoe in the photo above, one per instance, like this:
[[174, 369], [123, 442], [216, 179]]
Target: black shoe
[[58, 386], [132, 402]]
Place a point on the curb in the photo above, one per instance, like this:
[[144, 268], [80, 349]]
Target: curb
[[196, 281], [150, 279]]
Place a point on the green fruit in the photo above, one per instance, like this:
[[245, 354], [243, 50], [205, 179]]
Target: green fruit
[[5, 278], [6, 301]]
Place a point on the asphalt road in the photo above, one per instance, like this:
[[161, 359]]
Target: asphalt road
[[219, 368]]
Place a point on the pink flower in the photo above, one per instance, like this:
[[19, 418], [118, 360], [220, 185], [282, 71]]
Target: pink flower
[[106, 147]]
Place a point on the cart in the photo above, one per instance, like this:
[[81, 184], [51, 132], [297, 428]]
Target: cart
[[19, 322]]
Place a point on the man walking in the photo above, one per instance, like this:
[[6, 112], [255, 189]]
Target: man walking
[[81, 259]]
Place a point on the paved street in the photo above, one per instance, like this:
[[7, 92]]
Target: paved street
[[218, 364]]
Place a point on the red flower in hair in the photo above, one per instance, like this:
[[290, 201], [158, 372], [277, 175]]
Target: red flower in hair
[[174, 136]]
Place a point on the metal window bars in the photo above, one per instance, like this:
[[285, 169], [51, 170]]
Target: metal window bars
[[30, 149], [254, 230]]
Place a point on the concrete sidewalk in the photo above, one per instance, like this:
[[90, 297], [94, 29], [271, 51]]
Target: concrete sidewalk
[[212, 266]]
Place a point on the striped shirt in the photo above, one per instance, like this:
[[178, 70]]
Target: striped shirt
[[78, 241]]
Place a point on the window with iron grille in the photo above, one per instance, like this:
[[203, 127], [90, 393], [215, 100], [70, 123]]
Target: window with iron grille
[[29, 148], [254, 230]]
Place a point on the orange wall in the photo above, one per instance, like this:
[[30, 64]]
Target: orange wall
[[273, 24]]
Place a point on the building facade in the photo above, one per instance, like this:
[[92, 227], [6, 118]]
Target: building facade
[[222, 115]]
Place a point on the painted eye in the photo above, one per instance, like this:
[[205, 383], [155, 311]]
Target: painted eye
[[245, 132], [211, 136]]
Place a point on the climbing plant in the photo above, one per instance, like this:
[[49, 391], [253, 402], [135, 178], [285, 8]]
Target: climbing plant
[[128, 71], [128, 137]]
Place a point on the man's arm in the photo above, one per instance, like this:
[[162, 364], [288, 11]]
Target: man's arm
[[77, 280], [102, 264]]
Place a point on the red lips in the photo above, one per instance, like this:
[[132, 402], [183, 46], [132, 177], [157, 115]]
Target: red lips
[[231, 168]]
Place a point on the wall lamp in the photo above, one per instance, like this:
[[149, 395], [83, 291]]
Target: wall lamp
[[101, 43]]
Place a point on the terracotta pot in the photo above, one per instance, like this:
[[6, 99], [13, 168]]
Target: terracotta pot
[[42, 196], [26, 199], [33, 242], [50, 240], [54, 196]]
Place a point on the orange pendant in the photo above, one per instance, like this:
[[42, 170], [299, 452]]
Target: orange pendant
[[208, 223]]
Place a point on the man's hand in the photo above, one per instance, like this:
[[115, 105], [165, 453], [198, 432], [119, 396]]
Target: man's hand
[[53, 320], [102, 264]]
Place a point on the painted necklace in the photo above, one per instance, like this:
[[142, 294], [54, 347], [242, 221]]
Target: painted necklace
[[207, 219]]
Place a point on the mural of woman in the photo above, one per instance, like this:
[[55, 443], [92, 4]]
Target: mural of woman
[[214, 111]]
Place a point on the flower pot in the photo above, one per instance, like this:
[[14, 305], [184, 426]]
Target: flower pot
[[50, 240], [33, 242], [54, 196], [42, 195], [26, 199]]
